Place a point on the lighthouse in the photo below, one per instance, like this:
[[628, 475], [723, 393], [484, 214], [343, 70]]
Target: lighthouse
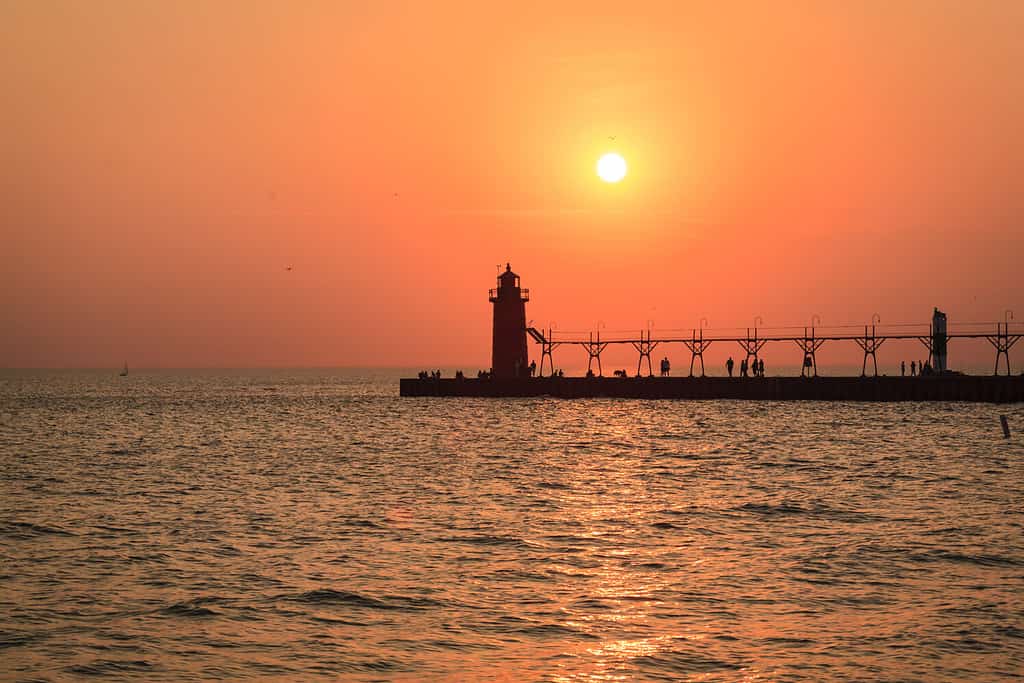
[[508, 340]]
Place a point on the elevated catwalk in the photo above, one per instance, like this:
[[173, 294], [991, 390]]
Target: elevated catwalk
[[993, 389]]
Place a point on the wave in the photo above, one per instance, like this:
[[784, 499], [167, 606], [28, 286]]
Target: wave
[[683, 527], [667, 525], [767, 509], [519, 575], [487, 539], [106, 667], [681, 664], [329, 596], [508, 626], [8, 639], [816, 511], [26, 530], [591, 604], [188, 609], [553, 631], [963, 558], [650, 565], [126, 451]]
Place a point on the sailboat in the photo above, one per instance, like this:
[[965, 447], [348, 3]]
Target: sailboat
[[124, 373]]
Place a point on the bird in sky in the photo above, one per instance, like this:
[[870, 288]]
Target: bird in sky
[[288, 268]]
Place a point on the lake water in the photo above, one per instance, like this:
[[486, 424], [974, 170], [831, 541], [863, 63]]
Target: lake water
[[312, 524]]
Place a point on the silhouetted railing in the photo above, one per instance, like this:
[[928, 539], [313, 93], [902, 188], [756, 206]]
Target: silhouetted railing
[[524, 294]]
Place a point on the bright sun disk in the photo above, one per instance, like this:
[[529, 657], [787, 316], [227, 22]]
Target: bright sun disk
[[611, 168]]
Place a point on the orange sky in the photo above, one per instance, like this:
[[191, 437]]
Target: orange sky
[[163, 163]]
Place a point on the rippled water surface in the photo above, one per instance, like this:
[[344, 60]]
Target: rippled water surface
[[302, 525]]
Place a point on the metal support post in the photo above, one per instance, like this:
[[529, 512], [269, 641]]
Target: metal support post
[[547, 345], [1003, 341], [594, 349], [697, 347], [929, 344], [645, 346], [870, 344], [751, 345], [810, 345]]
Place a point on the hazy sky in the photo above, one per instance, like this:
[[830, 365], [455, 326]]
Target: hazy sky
[[164, 163]]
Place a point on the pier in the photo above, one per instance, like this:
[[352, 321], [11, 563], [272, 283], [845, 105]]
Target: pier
[[990, 389], [512, 374]]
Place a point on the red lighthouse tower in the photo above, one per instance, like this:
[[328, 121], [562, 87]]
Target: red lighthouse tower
[[508, 349]]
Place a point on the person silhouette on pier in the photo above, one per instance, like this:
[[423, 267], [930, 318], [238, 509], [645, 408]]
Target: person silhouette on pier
[[760, 368], [903, 368], [913, 368], [728, 365], [743, 368]]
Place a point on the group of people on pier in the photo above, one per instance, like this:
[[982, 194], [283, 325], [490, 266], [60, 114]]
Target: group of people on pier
[[752, 369], [436, 374], [922, 368]]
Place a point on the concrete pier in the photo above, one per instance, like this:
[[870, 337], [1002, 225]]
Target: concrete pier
[[989, 389]]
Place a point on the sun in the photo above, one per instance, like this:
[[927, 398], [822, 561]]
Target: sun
[[611, 167]]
